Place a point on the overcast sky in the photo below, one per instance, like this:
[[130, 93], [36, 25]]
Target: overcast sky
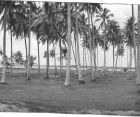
[[121, 14]]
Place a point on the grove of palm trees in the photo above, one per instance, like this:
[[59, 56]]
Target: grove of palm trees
[[75, 58]]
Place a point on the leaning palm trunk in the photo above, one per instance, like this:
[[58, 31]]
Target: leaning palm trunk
[[74, 58], [78, 51], [90, 46], [67, 80], [29, 46], [3, 80], [38, 56], [11, 54]]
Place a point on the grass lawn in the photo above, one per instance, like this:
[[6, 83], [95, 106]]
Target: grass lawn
[[100, 97]]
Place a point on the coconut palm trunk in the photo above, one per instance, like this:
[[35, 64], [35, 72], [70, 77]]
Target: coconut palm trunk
[[3, 80], [138, 61], [138, 49], [116, 62], [11, 54], [55, 61], [130, 61], [83, 59], [75, 53], [26, 53], [116, 59], [97, 55], [133, 34], [60, 57], [127, 57], [86, 59], [104, 68], [38, 49], [78, 51], [29, 46], [47, 61], [90, 45], [94, 48], [74, 56], [55, 65], [67, 80], [113, 56]]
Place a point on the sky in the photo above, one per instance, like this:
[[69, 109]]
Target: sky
[[121, 14]]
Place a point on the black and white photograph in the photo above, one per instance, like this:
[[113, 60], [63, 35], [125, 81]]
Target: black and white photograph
[[70, 57]]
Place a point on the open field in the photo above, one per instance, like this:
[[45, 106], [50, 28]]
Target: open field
[[114, 94]]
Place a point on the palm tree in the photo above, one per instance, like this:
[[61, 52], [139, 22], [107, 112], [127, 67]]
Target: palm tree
[[67, 80], [35, 14], [91, 9], [78, 51], [5, 6], [112, 32], [104, 17], [129, 38], [90, 43], [46, 23]]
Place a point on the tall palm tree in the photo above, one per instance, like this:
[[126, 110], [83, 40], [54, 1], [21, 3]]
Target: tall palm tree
[[4, 46], [112, 32], [46, 23], [90, 43], [7, 7], [91, 9], [67, 80], [35, 14], [129, 37], [78, 51], [104, 17]]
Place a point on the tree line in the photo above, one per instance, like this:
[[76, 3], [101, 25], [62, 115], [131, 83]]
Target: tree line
[[56, 23]]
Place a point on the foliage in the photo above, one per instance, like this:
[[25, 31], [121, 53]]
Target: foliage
[[32, 61], [18, 57]]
